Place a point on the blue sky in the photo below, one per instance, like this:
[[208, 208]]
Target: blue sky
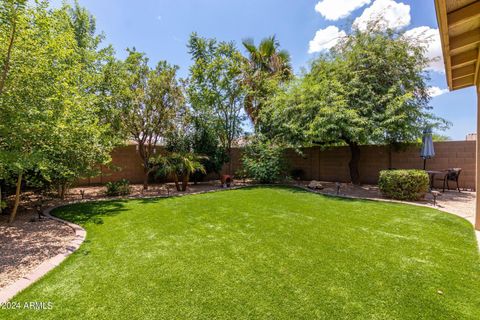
[[161, 29]]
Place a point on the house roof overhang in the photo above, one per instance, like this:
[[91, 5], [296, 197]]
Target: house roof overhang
[[459, 26]]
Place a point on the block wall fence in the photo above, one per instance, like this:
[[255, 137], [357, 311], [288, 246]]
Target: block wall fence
[[330, 164]]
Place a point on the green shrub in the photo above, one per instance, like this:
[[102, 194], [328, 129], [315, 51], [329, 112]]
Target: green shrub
[[404, 184], [118, 188], [263, 162], [241, 174]]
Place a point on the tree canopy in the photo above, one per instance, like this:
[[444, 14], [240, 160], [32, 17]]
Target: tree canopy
[[265, 68], [49, 129], [370, 88], [215, 90], [144, 101], [66, 100]]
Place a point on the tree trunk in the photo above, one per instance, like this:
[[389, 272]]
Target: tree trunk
[[17, 198], [6, 64], [185, 180], [230, 161], [353, 164], [63, 190], [145, 179], [1, 199], [143, 153], [175, 179]]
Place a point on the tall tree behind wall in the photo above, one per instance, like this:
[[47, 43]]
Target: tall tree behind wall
[[371, 88]]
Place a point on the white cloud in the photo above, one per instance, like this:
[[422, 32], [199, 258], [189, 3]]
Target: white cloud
[[338, 9], [431, 39], [325, 39], [390, 14], [436, 91]]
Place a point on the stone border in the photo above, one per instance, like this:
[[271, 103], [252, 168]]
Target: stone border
[[80, 234]]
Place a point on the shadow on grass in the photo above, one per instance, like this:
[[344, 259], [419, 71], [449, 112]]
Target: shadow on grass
[[297, 189], [91, 212]]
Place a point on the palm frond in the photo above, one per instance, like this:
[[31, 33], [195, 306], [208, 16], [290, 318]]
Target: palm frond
[[249, 44]]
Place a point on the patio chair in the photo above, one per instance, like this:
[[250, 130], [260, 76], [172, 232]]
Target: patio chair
[[451, 175]]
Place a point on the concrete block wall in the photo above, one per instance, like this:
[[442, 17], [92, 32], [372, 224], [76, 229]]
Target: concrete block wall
[[126, 164], [329, 164]]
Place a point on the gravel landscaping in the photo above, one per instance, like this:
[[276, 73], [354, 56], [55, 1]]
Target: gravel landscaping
[[25, 244]]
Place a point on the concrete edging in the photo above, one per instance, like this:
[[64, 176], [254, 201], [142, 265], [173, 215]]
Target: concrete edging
[[80, 234]]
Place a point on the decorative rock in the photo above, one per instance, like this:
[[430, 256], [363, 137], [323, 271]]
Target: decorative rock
[[315, 185]]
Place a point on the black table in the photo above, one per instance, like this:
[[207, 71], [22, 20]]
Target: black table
[[433, 173]]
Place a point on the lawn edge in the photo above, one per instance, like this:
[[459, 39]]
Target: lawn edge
[[342, 196], [15, 288], [10, 291]]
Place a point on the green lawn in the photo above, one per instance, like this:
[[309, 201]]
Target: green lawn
[[268, 253]]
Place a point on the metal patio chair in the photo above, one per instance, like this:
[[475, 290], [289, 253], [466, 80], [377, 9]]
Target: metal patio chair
[[452, 174]]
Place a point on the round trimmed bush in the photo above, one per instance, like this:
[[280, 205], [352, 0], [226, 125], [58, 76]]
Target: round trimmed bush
[[404, 184]]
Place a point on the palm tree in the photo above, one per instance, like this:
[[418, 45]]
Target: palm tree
[[264, 63], [179, 166]]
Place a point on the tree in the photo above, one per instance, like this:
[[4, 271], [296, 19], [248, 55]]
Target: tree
[[48, 127], [180, 166], [266, 67], [215, 89], [371, 88], [436, 138], [205, 142], [147, 101], [10, 15], [78, 151]]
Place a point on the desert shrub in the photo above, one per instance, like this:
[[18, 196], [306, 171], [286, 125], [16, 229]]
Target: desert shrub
[[118, 188], [264, 162], [403, 184]]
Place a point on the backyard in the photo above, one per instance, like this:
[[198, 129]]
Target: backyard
[[261, 252], [191, 160]]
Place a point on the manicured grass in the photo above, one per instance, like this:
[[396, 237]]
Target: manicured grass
[[269, 253]]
